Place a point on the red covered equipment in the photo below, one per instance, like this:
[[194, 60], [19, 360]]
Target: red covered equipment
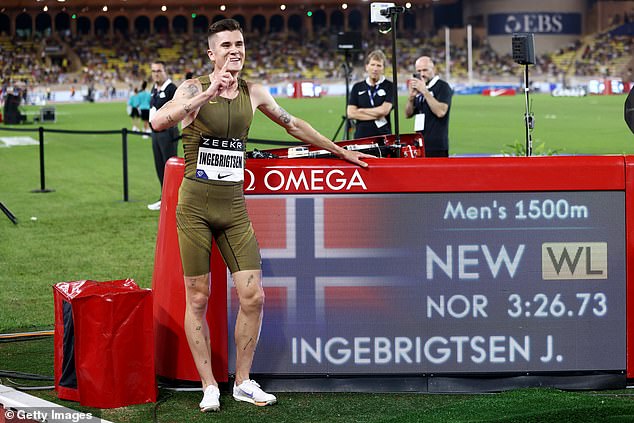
[[104, 343]]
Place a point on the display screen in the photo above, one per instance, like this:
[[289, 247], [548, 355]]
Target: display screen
[[440, 282]]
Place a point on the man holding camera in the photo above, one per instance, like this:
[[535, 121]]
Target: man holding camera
[[429, 102]]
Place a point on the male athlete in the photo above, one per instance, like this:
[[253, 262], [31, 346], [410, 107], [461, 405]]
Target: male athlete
[[216, 111]]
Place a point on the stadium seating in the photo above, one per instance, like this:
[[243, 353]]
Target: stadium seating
[[122, 60]]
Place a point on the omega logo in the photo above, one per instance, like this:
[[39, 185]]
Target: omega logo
[[285, 179]]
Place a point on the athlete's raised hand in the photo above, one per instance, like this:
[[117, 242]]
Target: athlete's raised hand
[[220, 81]]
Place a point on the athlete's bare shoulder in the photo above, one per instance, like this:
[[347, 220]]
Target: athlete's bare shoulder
[[254, 85], [259, 95]]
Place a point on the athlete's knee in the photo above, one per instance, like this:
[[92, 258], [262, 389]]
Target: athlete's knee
[[250, 292], [253, 300], [197, 293], [197, 302]]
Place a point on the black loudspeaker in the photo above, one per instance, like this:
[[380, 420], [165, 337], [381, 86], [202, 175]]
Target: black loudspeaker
[[524, 48], [629, 110], [349, 41]]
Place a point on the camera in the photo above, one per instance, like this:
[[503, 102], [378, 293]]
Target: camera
[[417, 75], [378, 12]]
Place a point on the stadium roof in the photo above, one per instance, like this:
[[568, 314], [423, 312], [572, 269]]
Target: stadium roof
[[178, 3]]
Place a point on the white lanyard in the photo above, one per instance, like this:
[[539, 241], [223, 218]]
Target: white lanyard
[[372, 94]]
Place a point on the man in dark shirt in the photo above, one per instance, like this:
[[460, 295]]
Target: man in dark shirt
[[370, 101], [429, 102], [164, 143]]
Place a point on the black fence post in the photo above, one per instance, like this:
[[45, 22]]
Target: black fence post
[[124, 146], [42, 174]]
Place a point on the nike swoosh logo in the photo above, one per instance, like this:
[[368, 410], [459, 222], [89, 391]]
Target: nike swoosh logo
[[223, 177], [213, 102], [362, 92], [248, 394], [496, 93]]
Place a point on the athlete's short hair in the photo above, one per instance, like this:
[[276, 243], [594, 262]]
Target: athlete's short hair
[[223, 25]]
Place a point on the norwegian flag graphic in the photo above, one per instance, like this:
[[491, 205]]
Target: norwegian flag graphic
[[323, 263]]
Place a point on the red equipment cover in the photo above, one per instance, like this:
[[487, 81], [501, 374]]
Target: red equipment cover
[[104, 343]]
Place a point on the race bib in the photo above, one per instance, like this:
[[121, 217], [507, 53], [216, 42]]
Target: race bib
[[220, 159]]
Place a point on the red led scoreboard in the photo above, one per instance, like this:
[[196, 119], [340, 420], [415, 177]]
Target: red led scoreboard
[[436, 270]]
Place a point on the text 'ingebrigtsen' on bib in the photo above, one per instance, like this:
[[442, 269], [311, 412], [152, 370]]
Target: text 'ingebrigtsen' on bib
[[220, 159]]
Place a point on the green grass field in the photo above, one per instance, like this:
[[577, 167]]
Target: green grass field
[[484, 125], [83, 230]]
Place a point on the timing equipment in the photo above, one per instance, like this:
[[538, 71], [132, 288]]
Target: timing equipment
[[409, 146], [257, 154]]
